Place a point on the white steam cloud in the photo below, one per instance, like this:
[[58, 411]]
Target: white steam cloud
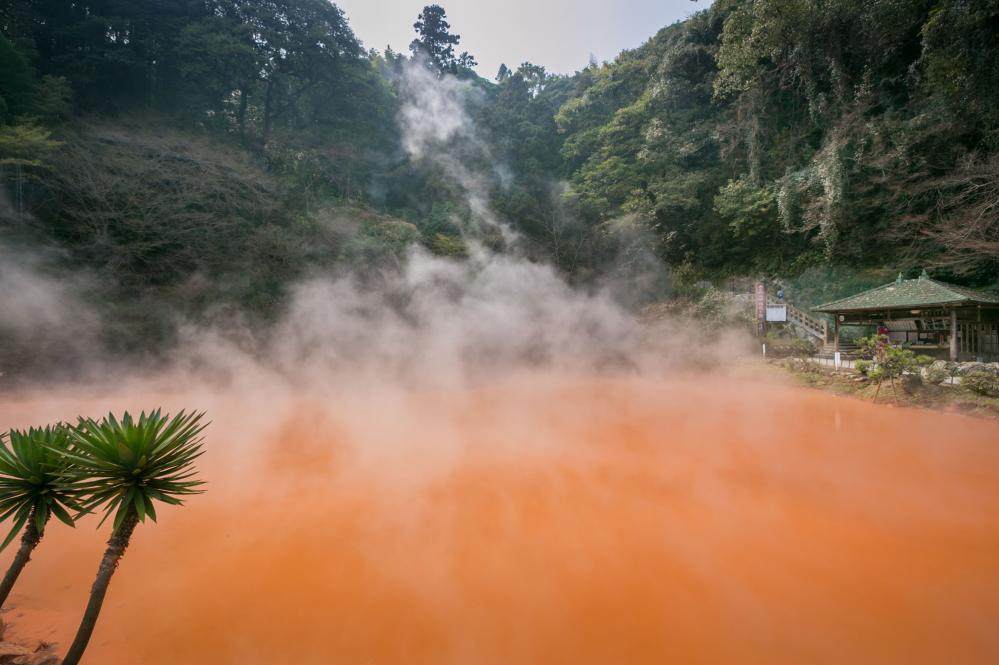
[[437, 129], [42, 315], [444, 323], [434, 112]]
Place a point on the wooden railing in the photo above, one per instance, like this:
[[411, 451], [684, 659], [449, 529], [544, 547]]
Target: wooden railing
[[802, 320]]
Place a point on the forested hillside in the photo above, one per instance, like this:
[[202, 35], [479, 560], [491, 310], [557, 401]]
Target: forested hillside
[[775, 135], [195, 157]]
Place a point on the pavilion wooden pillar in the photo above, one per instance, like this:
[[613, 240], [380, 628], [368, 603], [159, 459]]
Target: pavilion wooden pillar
[[836, 334], [953, 335]]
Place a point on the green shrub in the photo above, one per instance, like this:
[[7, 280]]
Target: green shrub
[[868, 346], [891, 361], [369, 239], [450, 246], [863, 367], [981, 382]]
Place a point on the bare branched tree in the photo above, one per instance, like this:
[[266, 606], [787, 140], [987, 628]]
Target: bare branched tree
[[967, 225], [155, 209]]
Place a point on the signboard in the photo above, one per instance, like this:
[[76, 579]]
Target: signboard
[[777, 313], [761, 308]]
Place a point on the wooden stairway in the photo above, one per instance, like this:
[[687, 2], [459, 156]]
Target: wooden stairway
[[804, 323]]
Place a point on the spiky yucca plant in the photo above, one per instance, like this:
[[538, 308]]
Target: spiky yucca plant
[[126, 466], [34, 485]]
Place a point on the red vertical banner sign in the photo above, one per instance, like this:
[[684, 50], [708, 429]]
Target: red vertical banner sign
[[761, 308]]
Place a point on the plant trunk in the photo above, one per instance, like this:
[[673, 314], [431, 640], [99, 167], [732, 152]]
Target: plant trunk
[[243, 102], [28, 542], [268, 111], [114, 552]]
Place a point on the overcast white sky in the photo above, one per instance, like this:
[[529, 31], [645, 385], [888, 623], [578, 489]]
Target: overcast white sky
[[559, 34]]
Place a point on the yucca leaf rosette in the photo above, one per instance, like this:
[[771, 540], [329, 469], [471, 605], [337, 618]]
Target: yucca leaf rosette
[[127, 465], [36, 479]]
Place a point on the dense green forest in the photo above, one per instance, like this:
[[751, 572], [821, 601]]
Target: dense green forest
[[192, 157]]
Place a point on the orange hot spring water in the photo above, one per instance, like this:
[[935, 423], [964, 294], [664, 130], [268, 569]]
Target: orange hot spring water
[[546, 519]]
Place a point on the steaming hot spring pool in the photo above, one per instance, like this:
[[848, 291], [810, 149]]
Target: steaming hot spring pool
[[545, 519]]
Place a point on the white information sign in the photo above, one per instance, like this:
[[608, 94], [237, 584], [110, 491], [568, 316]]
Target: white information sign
[[777, 313]]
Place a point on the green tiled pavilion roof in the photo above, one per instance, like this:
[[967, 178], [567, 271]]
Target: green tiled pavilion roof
[[910, 293]]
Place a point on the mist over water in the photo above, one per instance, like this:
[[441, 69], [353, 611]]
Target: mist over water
[[547, 518], [476, 463]]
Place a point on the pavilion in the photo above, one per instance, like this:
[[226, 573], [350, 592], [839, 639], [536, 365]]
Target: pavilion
[[935, 318]]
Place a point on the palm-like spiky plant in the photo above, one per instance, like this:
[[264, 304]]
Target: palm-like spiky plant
[[125, 466], [34, 485]]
